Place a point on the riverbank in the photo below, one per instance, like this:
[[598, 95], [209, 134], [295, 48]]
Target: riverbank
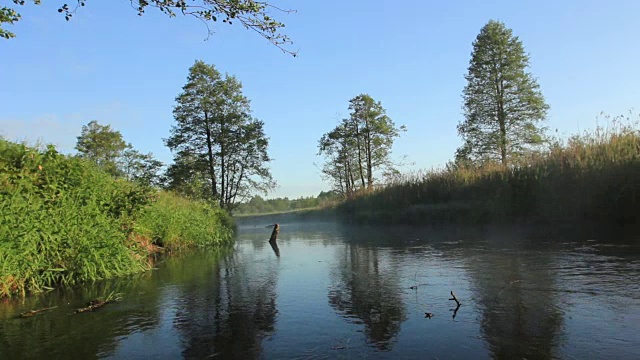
[[64, 222], [592, 177]]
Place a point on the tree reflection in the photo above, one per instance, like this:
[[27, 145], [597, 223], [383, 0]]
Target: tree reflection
[[229, 312], [59, 333], [365, 292], [521, 317]]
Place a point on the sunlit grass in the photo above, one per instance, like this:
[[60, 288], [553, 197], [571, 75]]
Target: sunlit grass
[[63, 221]]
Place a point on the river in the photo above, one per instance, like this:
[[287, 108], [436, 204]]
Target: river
[[338, 291]]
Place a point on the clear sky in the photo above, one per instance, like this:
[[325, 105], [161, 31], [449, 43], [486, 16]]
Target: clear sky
[[110, 65]]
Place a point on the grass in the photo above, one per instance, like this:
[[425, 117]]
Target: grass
[[588, 177], [174, 222], [63, 221]]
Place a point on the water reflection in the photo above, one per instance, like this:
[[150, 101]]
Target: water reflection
[[365, 292], [227, 309], [517, 322], [52, 334]]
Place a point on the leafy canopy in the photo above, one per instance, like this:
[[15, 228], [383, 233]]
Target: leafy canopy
[[253, 15]]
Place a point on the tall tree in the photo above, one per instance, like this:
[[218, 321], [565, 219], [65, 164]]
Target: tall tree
[[254, 15], [359, 147], [216, 135], [503, 105], [102, 145], [375, 132]]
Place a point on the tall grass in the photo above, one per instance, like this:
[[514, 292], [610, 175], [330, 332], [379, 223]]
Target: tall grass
[[63, 221], [174, 222], [592, 176]]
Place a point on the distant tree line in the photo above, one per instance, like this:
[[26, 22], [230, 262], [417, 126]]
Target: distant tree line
[[258, 205]]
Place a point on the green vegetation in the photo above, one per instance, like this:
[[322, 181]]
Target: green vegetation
[[590, 177], [253, 15], [66, 221], [175, 222], [106, 148]]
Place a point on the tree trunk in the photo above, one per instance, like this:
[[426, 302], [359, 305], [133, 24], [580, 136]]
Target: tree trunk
[[355, 123], [222, 165], [212, 174], [367, 144], [501, 116]]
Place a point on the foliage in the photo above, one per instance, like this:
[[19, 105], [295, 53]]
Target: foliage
[[106, 148], [140, 168], [63, 221], [589, 177], [254, 15], [503, 105], [359, 146], [217, 144], [102, 145]]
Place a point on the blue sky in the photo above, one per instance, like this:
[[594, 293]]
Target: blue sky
[[110, 65]]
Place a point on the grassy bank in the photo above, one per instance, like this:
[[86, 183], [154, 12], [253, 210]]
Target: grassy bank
[[63, 221], [589, 177]]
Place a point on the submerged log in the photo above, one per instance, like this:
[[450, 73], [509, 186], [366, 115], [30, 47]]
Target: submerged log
[[30, 313]]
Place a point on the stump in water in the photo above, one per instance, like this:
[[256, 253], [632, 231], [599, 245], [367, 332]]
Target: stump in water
[[274, 238], [274, 234]]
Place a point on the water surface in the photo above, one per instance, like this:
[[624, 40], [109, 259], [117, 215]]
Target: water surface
[[338, 291]]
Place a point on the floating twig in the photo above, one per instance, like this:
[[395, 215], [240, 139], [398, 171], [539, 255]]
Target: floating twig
[[428, 315], [454, 298], [30, 313], [98, 303]]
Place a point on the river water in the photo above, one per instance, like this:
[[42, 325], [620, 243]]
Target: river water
[[338, 291]]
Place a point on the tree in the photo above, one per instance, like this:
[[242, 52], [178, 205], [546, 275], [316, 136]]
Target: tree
[[376, 131], [359, 147], [215, 136], [254, 15], [102, 145], [141, 168], [503, 106]]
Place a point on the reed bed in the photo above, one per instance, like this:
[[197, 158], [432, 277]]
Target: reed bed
[[593, 176]]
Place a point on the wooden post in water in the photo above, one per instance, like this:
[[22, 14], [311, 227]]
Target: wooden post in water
[[274, 238], [274, 234]]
